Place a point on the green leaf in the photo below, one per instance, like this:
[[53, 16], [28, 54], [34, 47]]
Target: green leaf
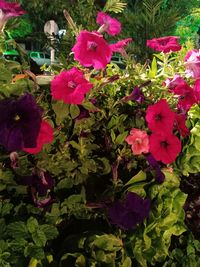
[[34, 251], [139, 177], [89, 106], [116, 6], [120, 138], [74, 111], [39, 238], [61, 109], [107, 242], [50, 231], [127, 262], [153, 69], [32, 225], [18, 230]]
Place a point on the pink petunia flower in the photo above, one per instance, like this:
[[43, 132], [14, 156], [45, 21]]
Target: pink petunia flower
[[187, 97], [110, 25], [180, 120], [91, 50], [70, 86], [120, 46], [8, 10], [139, 141], [160, 117], [164, 147], [197, 90], [171, 83], [192, 62], [164, 44], [45, 136]]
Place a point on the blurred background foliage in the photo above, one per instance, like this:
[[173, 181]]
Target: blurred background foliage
[[141, 20]]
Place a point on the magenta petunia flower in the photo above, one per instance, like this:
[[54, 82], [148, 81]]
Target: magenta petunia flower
[[197, 90], [139, 141], [91, 50], [171, 83], [45, 136], [70, 86], [112, 26], [164, 146], [192, 62], [8, 10], [180, 120], [120, 46], [160, 117], [164, 44]]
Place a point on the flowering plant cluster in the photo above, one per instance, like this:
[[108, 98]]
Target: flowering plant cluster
[[90, 163]]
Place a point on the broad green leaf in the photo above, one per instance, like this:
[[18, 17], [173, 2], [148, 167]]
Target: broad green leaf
[[39, 238], [32, 225], [139, 177], [107, 243], [120, 138], [18, 230], [89, 106], [61, 109], [74, 111], [50, 231], [127, 262]]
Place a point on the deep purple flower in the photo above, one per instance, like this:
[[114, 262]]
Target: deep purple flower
[[20, 122], [130, 212], [136, 95], [159, 175], [40, 187]]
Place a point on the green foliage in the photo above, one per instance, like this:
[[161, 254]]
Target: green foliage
[[189, 162], [115, 6]]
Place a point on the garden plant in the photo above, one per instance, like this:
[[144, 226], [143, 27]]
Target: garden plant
[[100, 166]]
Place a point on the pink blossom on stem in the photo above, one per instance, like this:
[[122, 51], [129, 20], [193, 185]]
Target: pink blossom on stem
[[70, 86], [164, 147], [164, 44], [139, 141], [192, 62], [111, 25], [160, 117], [91, 50], [8, 10], [120, 46]]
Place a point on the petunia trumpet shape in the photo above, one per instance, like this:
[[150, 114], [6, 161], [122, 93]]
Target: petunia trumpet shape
[[192, 62], [8, 10], [111, 25], [91, 50], [120, 46], [70, 86], [164, 44]]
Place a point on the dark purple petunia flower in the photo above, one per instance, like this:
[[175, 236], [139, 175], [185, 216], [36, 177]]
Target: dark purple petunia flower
[[130, 212], [136, 95], [40, 186], [160, 177], [20, 122]]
